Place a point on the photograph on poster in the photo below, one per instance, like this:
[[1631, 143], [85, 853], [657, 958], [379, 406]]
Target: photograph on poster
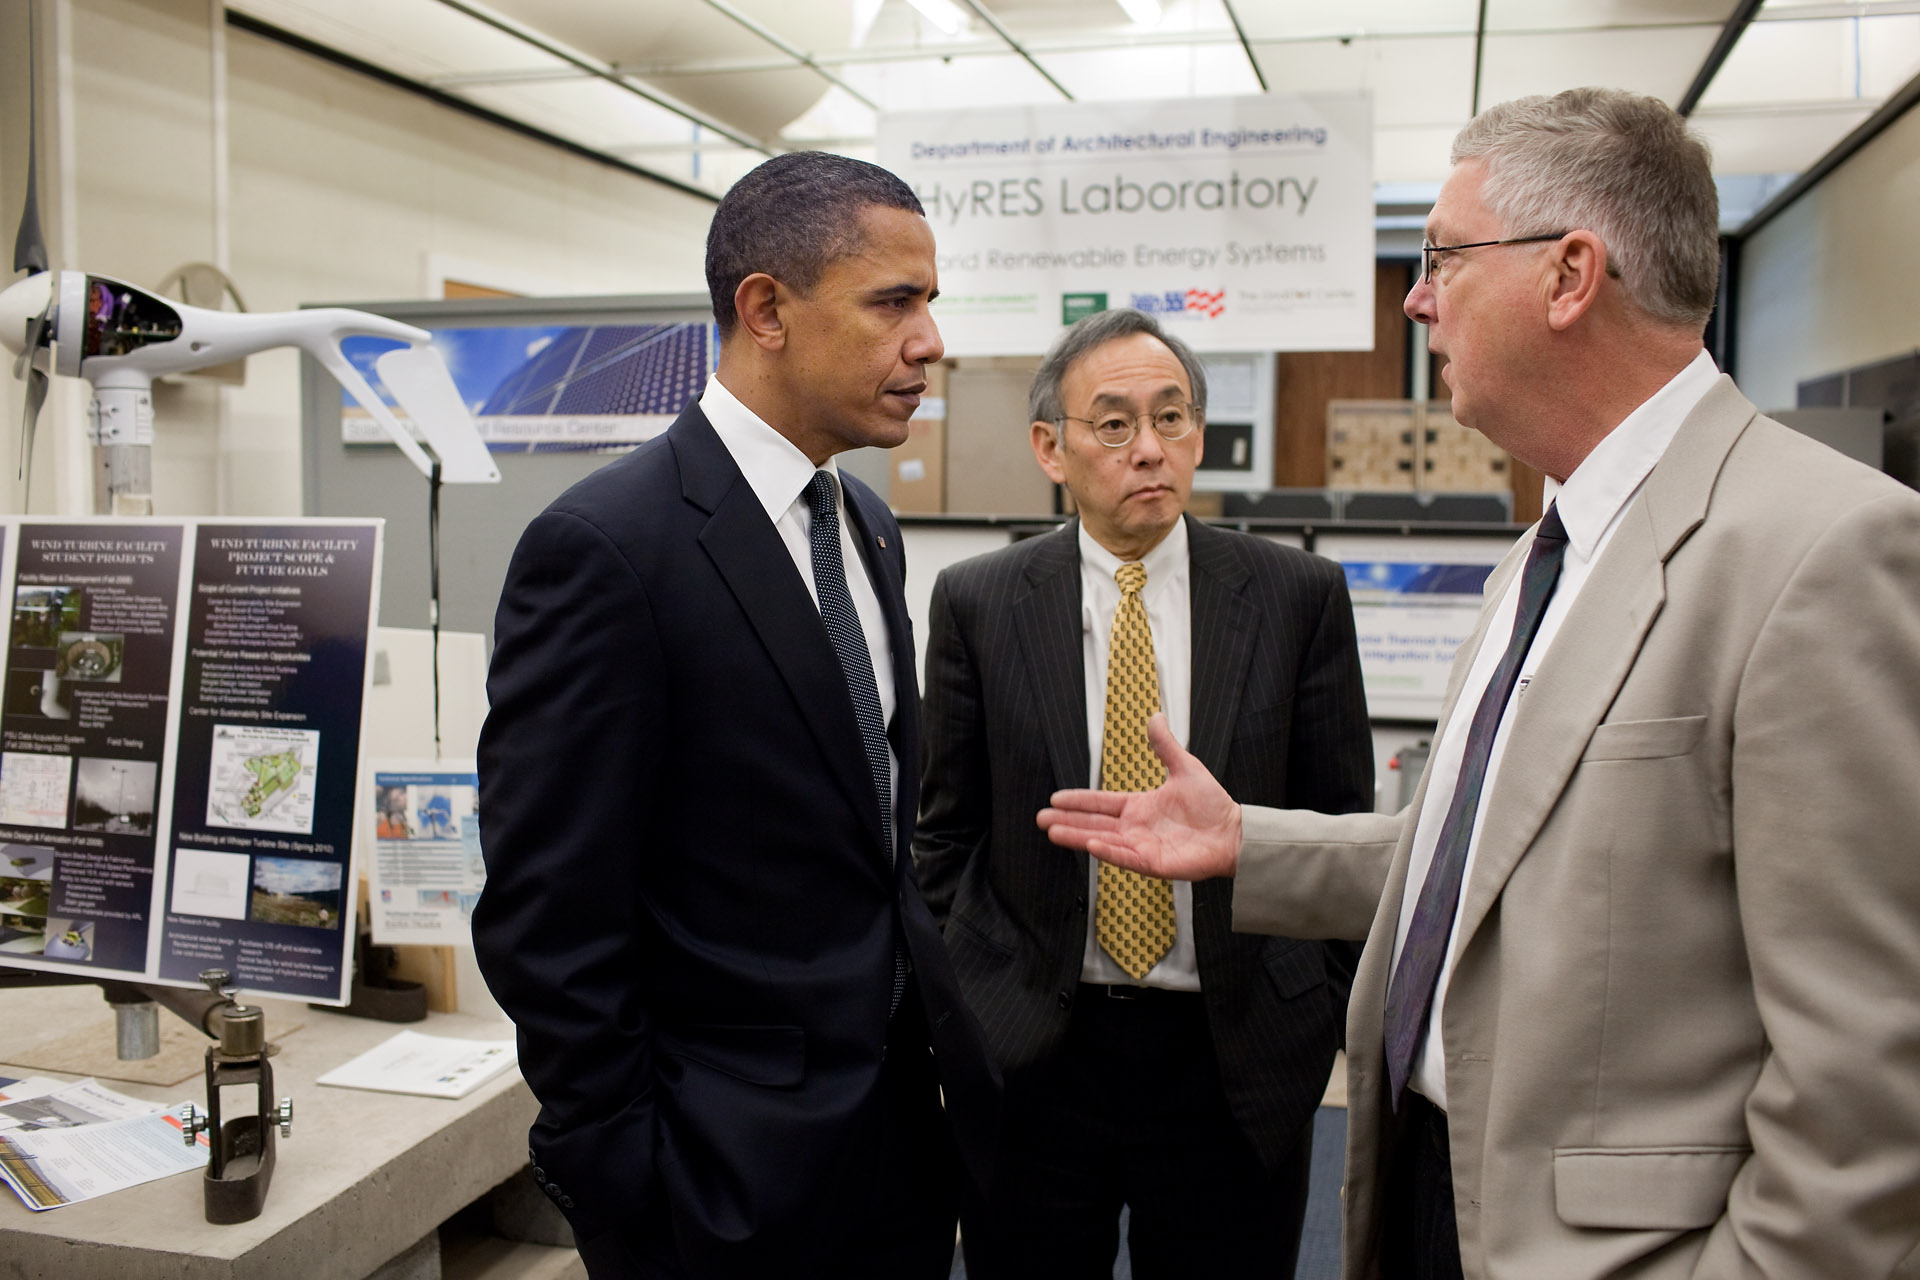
[[69, 939], [207, 882], [89, 655], [26, 861], [38, 693], [390, 807], [299, 891], [33, 789], [114, 796], [40, 614], [262, 779], [23, 916]]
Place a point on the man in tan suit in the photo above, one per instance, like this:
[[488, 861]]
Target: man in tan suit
[[1641, 992]]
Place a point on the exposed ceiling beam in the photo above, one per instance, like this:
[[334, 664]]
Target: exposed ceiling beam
[[800, 56], [1479, 55], [1241, 31], [1015, 45], [605, 71], [1730, 34]]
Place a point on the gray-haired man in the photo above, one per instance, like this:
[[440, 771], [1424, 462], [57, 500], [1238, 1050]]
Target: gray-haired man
[[1152, 1057], [1638, 998]]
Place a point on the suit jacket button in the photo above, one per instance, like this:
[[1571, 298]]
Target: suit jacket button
[[1066, 1000], [1080, 903], [566, 1202], [540, 1175], [553, 1189]]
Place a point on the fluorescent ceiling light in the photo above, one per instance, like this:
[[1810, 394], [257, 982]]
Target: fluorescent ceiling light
[[946, 15], [1144, 12]]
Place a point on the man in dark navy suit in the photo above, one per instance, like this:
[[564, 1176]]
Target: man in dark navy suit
[[698, 786]]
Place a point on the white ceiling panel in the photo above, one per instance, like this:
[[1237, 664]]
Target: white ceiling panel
[[1119, 74], [933, 84], [1414, 82], [1818, 61], [420, 39], [1318, 19], [1661, 63], [1572, 15], [1775, 141]]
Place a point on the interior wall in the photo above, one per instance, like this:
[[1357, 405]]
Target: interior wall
[[343, 189], [1829, 283]]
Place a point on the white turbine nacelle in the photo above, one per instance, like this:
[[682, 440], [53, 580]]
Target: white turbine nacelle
[[120, 337]]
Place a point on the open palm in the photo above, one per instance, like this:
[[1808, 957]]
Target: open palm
[[1188, 828]]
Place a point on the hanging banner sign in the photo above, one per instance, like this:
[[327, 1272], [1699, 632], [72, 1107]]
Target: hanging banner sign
[[1244, 224], [179, 748]]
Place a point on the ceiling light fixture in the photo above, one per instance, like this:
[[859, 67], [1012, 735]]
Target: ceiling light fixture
[[1143, 12], [948, 16]]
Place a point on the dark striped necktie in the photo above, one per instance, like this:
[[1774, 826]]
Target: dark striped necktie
[[856, 663], [1410, 994]]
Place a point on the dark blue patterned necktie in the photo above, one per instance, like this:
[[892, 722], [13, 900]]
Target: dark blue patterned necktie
[[1410, 994], [850, 643]]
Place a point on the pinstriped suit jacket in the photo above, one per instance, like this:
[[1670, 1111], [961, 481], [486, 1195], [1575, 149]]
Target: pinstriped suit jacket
[[1278, 715]]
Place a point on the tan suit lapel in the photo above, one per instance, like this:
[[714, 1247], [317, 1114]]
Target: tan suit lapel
[[1597, 645]]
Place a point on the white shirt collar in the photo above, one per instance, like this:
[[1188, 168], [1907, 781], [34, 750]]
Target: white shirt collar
[[775, 469], [1167, 557], [1600, 487]]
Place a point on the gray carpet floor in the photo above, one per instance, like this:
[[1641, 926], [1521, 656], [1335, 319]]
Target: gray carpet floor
[[1320, 1239]]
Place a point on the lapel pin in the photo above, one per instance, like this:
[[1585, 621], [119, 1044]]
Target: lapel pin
[[883, 544]]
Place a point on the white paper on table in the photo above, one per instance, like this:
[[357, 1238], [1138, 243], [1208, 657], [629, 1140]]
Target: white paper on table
[[52, 1167], [40, 1103], [431, 1066]]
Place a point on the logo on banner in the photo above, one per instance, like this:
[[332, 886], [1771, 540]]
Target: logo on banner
[[1078, 306], [1209, 303]]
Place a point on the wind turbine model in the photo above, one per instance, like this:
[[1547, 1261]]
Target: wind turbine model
[[120, 337]]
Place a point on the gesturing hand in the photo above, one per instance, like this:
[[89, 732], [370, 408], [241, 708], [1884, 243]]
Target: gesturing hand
[[1188, 828]]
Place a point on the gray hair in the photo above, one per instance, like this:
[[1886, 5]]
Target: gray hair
[[1043, 398], [1618, 164], [791, 217]]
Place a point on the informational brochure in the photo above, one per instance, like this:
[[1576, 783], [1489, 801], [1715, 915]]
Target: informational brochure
[[179, 744], [39, 1103], [431, 1066], [51, 1167], [426, 871]]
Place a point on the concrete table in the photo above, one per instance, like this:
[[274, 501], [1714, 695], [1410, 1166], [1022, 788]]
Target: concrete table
[[360, 1188]]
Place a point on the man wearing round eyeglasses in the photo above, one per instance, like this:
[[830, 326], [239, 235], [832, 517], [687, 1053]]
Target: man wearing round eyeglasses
[[1153, 1058]]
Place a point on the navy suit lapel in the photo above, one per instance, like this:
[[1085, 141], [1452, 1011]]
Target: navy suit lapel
[[1046, 613], [1225, 626], [749, 555]]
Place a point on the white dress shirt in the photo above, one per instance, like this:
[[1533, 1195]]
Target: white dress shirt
[[1169, 603], [778, 473], [1591, 503]]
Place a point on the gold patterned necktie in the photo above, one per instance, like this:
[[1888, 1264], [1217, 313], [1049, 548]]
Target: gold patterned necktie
[[1133, 914]]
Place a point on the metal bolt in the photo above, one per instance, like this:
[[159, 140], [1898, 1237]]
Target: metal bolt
[[192, 1122], [284, 1114]]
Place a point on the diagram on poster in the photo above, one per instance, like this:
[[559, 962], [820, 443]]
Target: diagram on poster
[[262, 778]]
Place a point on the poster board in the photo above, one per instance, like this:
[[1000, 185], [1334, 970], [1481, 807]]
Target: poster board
[[179, 743], [1415, 601]]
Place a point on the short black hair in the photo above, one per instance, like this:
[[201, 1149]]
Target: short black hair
[[790, 217], [1044, 403]]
